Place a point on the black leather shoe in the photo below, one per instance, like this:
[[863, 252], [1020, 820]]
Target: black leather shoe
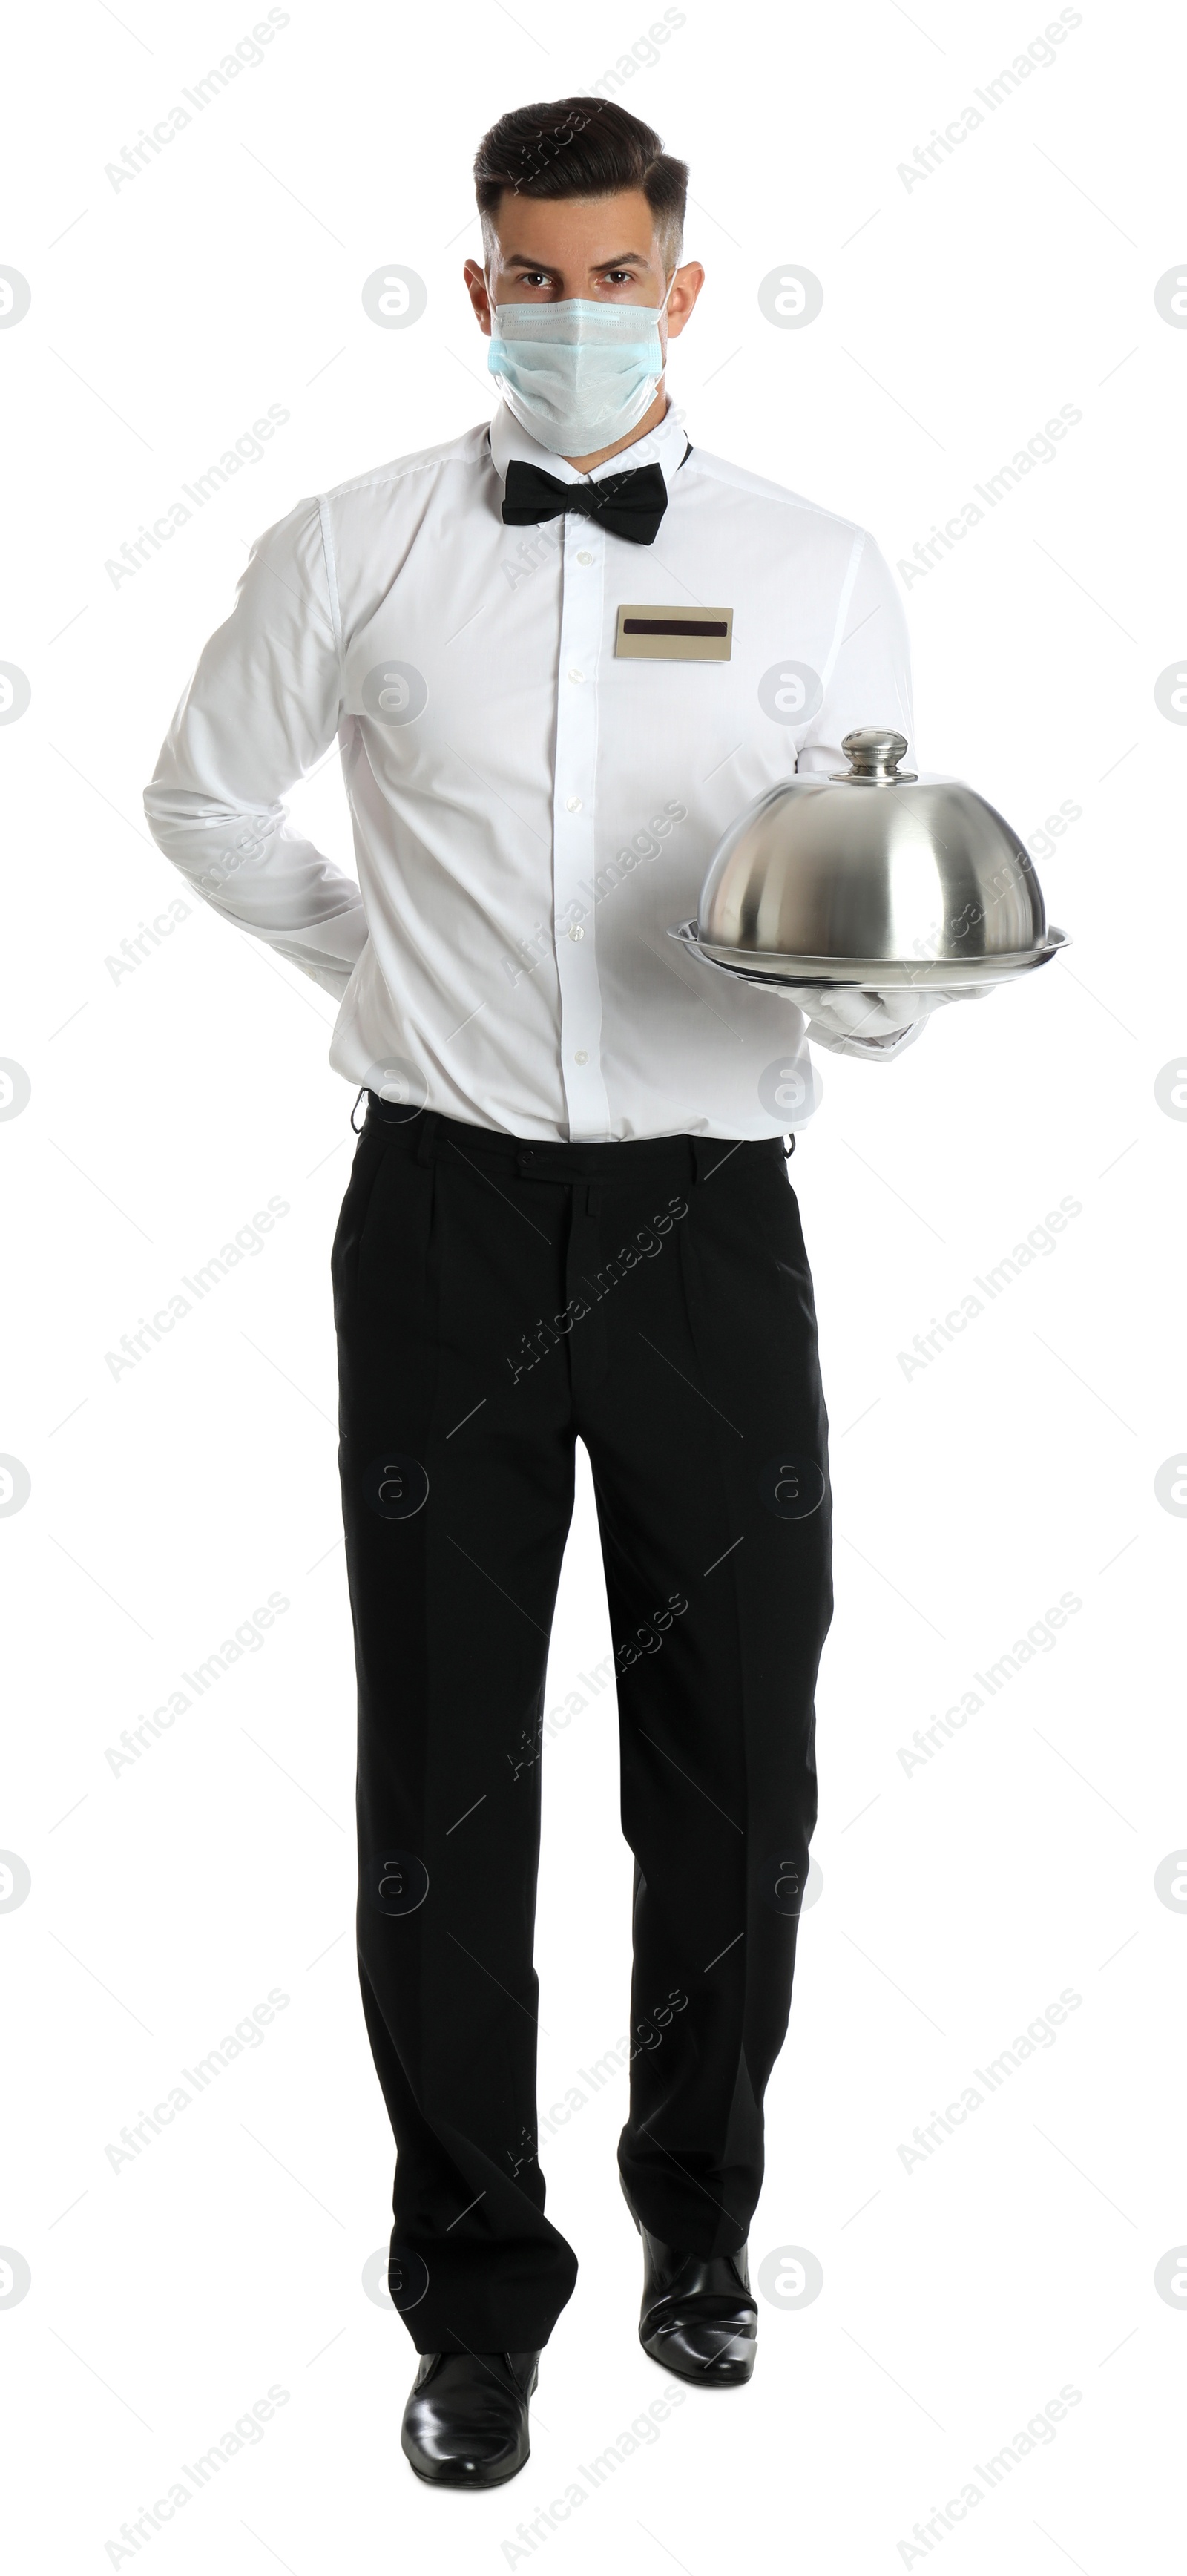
[[699, 2315], [466, 2420]]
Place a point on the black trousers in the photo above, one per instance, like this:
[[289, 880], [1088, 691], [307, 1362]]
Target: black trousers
[[494, 1300]]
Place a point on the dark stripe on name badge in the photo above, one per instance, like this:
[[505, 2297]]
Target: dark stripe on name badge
[[674, 626], [645, 633]]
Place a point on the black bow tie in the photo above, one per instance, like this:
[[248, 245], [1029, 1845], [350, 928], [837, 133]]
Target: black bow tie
[[630, 505]]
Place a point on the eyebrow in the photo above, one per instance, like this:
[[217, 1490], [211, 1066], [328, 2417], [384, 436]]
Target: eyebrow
[[622, 259]]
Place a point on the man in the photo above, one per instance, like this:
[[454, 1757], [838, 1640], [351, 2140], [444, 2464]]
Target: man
[[568, 1215]]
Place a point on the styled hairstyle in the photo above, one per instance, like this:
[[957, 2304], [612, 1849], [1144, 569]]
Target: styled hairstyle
[[581, 147]]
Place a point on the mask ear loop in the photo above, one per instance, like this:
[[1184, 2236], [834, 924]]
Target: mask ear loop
[[662, 308]]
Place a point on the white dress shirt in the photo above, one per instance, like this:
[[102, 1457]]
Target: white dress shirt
[[531, 812]]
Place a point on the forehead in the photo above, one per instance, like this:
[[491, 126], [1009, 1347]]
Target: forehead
[[589, 230]]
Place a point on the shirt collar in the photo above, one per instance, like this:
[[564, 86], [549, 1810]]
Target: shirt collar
[[665, 446]]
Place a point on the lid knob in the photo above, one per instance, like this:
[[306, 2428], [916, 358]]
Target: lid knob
[[874, 752]]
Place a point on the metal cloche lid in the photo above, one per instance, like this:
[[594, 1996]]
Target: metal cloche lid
[[921, 881]]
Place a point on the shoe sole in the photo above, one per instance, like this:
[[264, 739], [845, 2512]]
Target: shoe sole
[[452, 2478], [696, 2378]]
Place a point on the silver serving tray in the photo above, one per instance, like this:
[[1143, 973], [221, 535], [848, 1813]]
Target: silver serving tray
[[874, 974]]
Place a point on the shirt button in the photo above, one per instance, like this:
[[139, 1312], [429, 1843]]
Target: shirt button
[[576, 675], [584, 556], [581, 1056], [575, 930], [572, 804]]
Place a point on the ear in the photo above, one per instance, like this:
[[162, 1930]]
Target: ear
[[479, 298], [686, 286]]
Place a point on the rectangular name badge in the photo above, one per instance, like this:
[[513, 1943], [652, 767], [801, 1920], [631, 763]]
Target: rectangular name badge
[[648, 634]]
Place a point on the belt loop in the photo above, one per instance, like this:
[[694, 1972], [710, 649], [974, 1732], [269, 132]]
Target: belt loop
[[788, 1145], [701, 1164], [363, 1095], [426, 1140]]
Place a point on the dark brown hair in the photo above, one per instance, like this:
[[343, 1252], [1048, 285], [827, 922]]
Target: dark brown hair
[[581, 147]]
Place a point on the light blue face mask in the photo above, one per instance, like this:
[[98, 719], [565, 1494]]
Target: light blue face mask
[[578, 375]]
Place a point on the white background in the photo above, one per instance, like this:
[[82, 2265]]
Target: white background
[[958, 1899]]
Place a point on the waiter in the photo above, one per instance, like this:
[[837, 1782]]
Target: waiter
[[560, 654]]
